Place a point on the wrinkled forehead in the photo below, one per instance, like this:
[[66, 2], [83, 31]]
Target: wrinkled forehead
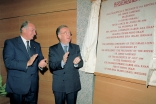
[[64, 29], [31, 26]]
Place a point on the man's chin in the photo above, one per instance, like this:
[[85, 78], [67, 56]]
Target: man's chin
[[69, 40]]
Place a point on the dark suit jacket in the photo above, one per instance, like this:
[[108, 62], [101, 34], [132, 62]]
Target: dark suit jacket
[[19, 78], [65, 79]]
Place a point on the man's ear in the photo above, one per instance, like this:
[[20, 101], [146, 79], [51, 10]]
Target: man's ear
[[59, 36], [23, 29]]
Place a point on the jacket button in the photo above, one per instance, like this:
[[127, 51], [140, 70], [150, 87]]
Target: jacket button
[[64, 73]]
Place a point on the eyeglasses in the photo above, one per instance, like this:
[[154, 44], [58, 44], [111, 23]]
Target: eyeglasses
[[66, 33]]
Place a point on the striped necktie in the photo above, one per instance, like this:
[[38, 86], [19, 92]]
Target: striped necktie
[[28, 49], [65, 49]]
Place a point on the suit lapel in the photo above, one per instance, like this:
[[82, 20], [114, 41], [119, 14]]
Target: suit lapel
[[61, 51], [71, 49], [71, 55], [22, 47]]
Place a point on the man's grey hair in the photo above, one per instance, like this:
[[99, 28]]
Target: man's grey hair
[[59, 28], [24, 24]]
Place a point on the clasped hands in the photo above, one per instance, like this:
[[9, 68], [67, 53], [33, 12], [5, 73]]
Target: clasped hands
[[41, 64], [75, 61]]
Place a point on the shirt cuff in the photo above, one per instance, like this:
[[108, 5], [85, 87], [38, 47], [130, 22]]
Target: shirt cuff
[[75, 65], [40, 68], [62, 64]]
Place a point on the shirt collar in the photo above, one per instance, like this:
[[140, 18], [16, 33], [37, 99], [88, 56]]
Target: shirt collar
[[25, 41], [64, 45]]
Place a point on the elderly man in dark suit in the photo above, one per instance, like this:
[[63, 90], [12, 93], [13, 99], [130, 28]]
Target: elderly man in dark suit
[[64, 62], [23, 57]]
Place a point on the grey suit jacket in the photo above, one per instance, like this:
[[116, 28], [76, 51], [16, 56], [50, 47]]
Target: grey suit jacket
[[65, 79]]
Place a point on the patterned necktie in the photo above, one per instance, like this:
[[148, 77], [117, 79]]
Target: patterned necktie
[[65, 49], [28, 48]]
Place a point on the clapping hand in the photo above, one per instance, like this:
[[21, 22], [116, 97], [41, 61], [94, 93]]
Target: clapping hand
[[65, 57], [42, 63], [76, 60], [31, 60]]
